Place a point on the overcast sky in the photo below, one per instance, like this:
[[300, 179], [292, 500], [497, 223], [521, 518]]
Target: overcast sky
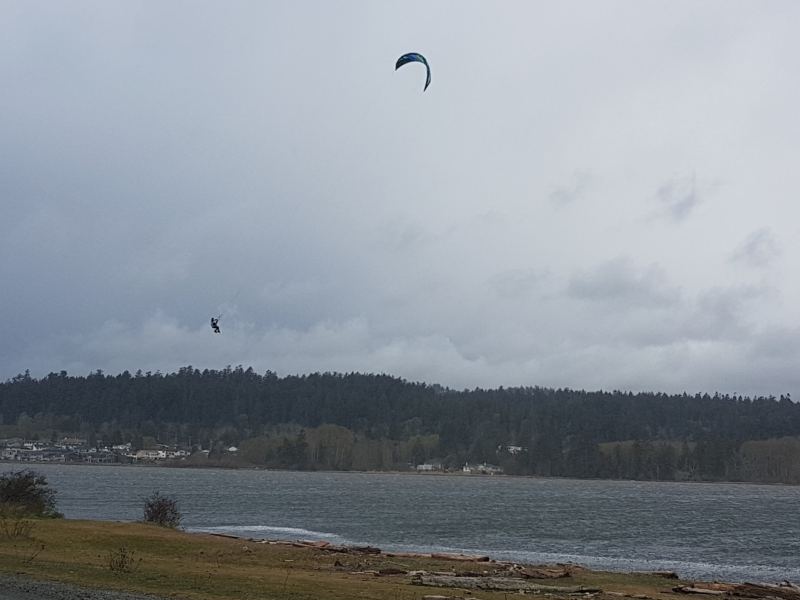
[[589, 194]]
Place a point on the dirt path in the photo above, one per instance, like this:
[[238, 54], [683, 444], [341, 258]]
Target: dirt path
[[22, 588]]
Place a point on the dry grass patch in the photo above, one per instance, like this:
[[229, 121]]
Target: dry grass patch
[[169, 563]]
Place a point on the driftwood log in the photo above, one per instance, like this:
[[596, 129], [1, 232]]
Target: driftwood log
[[544, 572], [694, 589], [784, 591], [662, 574], [503, 584], [459, 557]]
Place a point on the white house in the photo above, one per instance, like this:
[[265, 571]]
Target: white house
[[512, 449], [482, 469], [428, 467], [150, 455]]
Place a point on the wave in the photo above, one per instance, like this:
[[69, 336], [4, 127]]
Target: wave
[[685, 568], [281, 532]]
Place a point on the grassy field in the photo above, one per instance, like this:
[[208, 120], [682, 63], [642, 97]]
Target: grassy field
[[143, 558]]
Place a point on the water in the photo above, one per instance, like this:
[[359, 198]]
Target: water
[[730, 532]]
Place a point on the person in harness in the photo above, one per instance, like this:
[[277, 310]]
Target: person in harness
[[215, 324]]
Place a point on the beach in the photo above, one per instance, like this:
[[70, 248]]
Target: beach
[[65, 559]]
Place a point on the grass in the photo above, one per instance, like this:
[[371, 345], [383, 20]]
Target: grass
[[171, 563]]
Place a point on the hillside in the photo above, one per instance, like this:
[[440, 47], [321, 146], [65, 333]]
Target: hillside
[[375, 422]]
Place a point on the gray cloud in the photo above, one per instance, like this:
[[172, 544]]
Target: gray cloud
[[758, 250], [518, 282], [720, 314], [678, 197], [572, 191], [619, 281]]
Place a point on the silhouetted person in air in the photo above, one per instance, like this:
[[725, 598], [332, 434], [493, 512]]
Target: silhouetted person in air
[[215, 324]]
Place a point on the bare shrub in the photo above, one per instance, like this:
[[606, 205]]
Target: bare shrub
[[14, 523], [122, 560], [162, 511]]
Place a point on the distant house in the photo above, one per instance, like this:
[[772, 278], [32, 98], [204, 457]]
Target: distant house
[[33, 453], [100, 458], [73, 441], [482, 469], [429, 467], [9, 454], [150, 455], [513, 450], [54, 456], [29, 456]]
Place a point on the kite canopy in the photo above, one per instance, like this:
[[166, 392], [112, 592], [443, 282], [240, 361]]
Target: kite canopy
[[415, 57]]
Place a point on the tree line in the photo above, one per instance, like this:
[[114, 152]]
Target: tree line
[[376, 421]]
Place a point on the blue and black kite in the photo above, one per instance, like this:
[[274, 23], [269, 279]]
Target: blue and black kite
[[415, 57]]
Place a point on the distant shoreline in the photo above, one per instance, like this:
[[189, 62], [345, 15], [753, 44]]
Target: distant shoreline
[[405, 473]]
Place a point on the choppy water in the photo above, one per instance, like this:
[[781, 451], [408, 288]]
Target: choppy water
[[731, 532]]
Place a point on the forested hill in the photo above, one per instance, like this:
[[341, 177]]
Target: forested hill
[[358, 421]]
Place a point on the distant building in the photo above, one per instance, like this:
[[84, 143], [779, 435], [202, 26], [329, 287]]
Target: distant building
[[9, 454], [73, 441], [482, 469], [100, 458], [15, 442], [429, 467], [40, 456], [150, 455], [513, 450]]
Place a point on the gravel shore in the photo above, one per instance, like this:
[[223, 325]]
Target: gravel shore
[[22, 588]]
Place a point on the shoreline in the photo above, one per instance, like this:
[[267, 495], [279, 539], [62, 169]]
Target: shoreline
[[665, 568], [73, 563], [500, 476]]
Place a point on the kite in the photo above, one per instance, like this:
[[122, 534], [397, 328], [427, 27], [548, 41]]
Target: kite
[[415, 57]]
